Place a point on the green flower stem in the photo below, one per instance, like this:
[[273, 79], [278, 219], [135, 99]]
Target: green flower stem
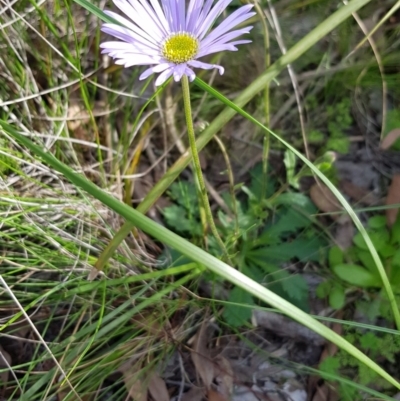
[[196, 163]]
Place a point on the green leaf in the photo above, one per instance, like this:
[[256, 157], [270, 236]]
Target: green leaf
[[330, 364], [175, 216], [297, 200], [337, 297], [323, 289], [290, 222], [369, 341], [366, 259], [290, 163], [357, 275], [378, 238], [185, 194], [236, 315], [387, 250], [377, 222], [257, 184], [299, 248], [336, 256], [96, 11], [291, 287], [268, 268], [395, 234], [296, 286], [396, 259], [340, 145]]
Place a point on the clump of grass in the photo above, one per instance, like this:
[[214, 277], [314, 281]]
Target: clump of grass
[[78, 333]]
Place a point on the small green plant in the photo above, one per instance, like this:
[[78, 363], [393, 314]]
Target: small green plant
[[184, 214], [267, 237], [339, 121], [355, 268], [380, 347]]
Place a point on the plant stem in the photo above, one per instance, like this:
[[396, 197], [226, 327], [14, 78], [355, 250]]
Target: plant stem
[[196, 163]]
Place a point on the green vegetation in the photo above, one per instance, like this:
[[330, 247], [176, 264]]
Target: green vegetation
[[109, 268]]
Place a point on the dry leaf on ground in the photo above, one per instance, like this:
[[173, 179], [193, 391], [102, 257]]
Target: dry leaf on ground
[[215, 396], [393, 197], [324, 199], [345, 232], [358, 194], [136, 388], [390, 139], [194, 394], [201, 357], [157, 388], [224, 376], [326, 392]]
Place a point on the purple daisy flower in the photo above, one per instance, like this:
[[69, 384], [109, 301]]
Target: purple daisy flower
[[170, 37]]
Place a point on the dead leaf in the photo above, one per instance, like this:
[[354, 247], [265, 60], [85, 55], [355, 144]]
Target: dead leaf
[[345, 232], [150, 322], [326, 392], [390, 139], [215, 396], [77, 116], [324, 199], [201, 357], [194, 394], [136, 388], [224, 376], [392, 198], [358, 194], [93, 274], [157, 388]]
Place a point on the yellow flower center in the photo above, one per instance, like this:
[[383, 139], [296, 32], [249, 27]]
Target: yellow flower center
[[180, 47]]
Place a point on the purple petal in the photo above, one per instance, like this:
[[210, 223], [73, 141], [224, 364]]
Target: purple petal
[[216, 49], [157, 17], [141, 17], [206, 66], [138, 15], [190, 73], [160, 15], [215, 12], [233, 20], [171, 14], [131, 60], [155, 69], [164, 76], [127, 35], [226, 38], [179, 70], [192, 14], [203, 15], [181, 15]]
